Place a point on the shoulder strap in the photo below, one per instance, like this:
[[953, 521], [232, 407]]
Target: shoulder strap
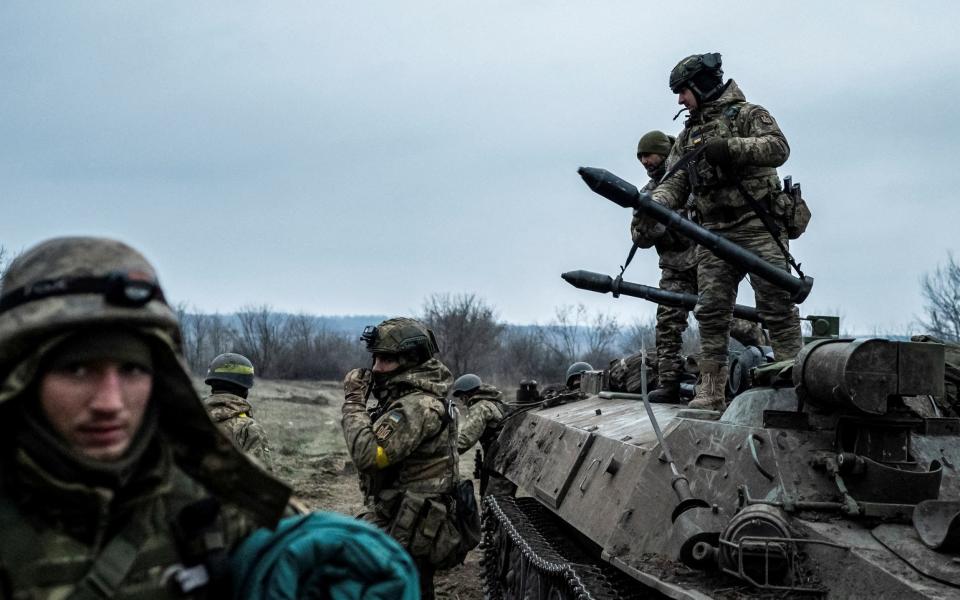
[[114, 562], [731, 113]]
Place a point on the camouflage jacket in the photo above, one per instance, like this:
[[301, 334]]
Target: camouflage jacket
[[757, 147], [482, 418], [54, 532], [675, 251], [234, 416], [408, 442]]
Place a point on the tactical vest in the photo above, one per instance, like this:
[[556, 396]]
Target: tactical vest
[[433, 466], [144, 559], [715, 191]]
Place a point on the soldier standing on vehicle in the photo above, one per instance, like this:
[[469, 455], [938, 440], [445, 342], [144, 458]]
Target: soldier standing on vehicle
[[405, 449], [736, 172], [114, 483], [230, 377], [481, 423], [678, 269]]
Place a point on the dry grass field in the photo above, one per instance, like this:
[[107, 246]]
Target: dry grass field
[[302, 420]]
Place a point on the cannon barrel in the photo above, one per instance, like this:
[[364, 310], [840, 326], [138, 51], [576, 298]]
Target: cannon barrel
[[598, 282], [627, 195]]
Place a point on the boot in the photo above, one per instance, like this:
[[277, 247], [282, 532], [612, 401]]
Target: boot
[[668, 392], [711, 391]]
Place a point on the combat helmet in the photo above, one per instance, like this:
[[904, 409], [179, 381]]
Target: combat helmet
[[231, 368], [655, 142], [701, 73], [466, 384], [408, 339], [64, 287], [577, 368]]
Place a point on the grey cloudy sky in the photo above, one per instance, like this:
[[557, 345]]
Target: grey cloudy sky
[[349, 158]]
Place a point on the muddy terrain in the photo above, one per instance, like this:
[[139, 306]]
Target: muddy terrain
[[302, 420]]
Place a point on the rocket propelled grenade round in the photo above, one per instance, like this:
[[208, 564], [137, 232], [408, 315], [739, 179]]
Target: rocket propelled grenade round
[[604, 284], [625, 194]]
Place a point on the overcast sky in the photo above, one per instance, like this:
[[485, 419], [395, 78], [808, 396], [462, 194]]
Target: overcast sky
[[354, 157]]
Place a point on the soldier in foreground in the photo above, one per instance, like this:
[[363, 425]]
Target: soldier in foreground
[[230, 377], [405, 449], [482, 423], [678, 269], [115, 483], [741, 148]]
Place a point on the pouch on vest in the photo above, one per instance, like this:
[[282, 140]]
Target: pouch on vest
[[425, 528], [440, 528], [792, 209], [406, 519]]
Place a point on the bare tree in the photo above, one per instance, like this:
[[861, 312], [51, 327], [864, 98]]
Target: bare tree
[[467, 331], [260, 337], [335, 353], [195, 329], [299, 336], [573, 335], [221, 337], [941, 292], [638, 335], [524, 355]]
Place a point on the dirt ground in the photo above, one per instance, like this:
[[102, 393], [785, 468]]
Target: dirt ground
[[302, 420]]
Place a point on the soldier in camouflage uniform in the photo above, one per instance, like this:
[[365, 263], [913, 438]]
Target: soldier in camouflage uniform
[[230, 377], [741, 148], [481, 423], [405, 449], [678, 268], [113, 481]]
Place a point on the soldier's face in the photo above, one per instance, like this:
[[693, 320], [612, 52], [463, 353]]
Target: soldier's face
[[383, 363], [96, 407], [650, 162], [686, 98]]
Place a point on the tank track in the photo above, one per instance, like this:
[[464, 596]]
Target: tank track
[[527, 556]]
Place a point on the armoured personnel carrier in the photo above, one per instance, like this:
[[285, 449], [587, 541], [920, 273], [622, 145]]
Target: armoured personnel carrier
[[832, 476]]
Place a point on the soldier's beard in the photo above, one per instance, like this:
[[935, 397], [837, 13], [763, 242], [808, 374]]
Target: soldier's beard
[[656, 172]]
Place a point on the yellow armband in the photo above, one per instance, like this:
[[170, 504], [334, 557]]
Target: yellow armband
[[381, 461]]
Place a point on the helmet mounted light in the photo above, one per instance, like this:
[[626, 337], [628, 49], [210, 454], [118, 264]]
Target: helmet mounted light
[[129, 289]]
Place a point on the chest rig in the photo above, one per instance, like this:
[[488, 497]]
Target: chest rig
[[702, 175]]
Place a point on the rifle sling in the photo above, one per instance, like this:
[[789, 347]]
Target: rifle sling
[[767, 219]]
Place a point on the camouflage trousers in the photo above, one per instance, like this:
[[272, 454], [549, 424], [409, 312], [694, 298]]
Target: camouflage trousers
[[718, 281], [672, 322]]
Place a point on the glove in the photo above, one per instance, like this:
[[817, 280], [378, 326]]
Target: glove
[[644, 231], [355, 384], [717, 153]]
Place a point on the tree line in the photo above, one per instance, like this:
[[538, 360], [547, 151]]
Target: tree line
[[472, 339], [471, 335]]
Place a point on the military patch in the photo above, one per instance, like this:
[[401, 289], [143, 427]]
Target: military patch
[[388, 424], [766, 119]]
